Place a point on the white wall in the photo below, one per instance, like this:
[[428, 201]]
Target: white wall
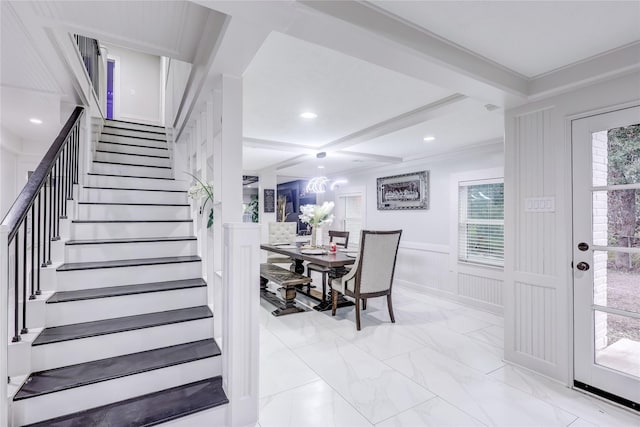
[[424, 255], [538, 274], [10, 148], [137, 91]]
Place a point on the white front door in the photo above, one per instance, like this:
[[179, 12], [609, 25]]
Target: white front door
[[606, 254]]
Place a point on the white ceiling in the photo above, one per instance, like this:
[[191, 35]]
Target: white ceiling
[[363, 107], [529, 37], [380, 75]]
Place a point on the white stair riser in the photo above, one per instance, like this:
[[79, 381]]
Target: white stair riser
[[134, 126], [64, 402], [132, 159], [132, 212], [101, 277], [56, 355], [138, 183], [135, 133], [67, 313], [132, 196], [131, 149], [121, 230], [133, 141], [137, 250], [126, 170]]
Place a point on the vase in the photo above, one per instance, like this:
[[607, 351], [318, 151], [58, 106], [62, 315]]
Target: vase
[[313, 236]]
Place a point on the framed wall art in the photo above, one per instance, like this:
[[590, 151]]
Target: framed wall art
[[407, 191]]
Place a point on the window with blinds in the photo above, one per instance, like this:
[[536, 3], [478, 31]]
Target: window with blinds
[[352, 217], [481, 222]]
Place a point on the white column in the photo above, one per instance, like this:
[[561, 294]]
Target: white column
[[240, 339], [227, 168]]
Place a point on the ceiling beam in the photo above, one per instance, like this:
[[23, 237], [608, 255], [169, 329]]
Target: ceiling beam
[[427, 112]]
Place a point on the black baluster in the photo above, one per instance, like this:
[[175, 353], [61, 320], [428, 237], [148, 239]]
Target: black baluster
[[24, 279], [63, 181], [56, 201], [16, 290], [50, 215], [76, 155], [39, 243], [70, 167], [33, 248]]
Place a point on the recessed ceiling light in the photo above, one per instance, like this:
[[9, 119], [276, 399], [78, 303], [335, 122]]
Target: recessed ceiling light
[[429, 138], [35, 121], [320, 167], [308, 115]]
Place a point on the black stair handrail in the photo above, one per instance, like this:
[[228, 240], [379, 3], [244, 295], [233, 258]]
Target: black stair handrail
[[53, 179]]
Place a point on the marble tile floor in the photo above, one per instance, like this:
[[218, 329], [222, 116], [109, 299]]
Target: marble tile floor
[[440, 364]]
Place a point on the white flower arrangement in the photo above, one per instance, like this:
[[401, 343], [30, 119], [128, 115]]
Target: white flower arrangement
[[200, 191], [317, 216]]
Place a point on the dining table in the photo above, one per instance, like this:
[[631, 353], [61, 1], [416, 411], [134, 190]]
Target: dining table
[[335, 261]]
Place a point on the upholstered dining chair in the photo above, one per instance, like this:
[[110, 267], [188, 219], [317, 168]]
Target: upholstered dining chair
[[341, 239], [281, 232], [372, 274]]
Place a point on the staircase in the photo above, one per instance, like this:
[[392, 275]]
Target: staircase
[[129, 335]]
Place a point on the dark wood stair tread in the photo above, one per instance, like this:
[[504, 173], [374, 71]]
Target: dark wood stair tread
[[133, 145], [129, 176], [122, 221], [150, 409], [117, 291], [145, 138], [134, 189], [120, 324], [131, 164], [129, 240], [134, 123], [54, 380], [73, 266], [132, 154]]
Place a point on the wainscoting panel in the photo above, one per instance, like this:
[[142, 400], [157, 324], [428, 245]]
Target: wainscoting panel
[[481, 288], [535, 232], [424, 266], [536, 321]]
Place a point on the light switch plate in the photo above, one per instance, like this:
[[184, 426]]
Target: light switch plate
[[540, 204]]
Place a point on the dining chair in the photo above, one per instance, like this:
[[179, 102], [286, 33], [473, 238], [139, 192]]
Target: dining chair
[[372, 274], [341, 240], [281, 232]]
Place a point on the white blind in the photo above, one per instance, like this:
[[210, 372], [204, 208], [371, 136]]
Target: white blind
[[481, 222]]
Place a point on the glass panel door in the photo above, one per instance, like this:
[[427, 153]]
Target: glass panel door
[[606, 258]]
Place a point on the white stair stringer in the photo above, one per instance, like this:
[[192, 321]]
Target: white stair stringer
[[103, 393], [83, 230], [64, 353], [115, 181], [132, 158], [131, 170], [127, 195], [111, 251], [120, 276], [89, 310]]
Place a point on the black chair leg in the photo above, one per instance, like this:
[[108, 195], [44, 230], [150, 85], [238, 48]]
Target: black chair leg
[[390, 306], [357, 314], [364, 303]]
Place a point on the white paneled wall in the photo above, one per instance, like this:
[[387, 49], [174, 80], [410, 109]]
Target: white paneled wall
[[538, 294]]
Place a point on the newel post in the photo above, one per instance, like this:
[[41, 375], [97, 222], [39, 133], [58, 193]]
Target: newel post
[[4, 323], [240, 321]]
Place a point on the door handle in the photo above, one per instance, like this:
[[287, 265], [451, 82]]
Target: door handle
[[582, 266]]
